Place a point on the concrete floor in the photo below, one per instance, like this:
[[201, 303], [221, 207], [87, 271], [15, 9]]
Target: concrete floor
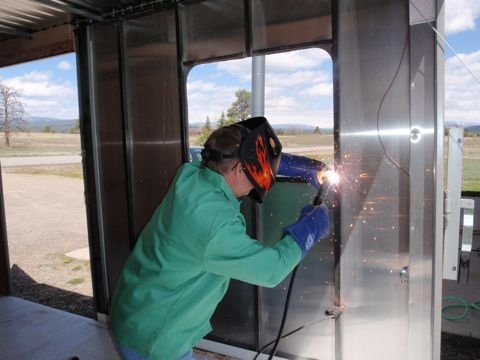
[[30, 331]]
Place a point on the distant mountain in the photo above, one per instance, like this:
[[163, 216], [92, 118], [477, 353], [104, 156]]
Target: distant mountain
[[470, 127], [302, 127], [283, 127], [473, 128], [38, 124]]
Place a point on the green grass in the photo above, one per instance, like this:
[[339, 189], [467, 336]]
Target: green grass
[[76, 281], [471, 175], [38, 144], [305, 140]]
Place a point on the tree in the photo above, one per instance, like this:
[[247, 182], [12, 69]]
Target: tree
[[205, 132], [11, 112], [222, 120], [240, 108], [317, 131], [76, 128]]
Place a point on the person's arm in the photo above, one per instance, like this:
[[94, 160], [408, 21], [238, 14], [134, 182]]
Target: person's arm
[[233, 254]]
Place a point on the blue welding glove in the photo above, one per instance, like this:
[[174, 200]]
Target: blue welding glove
[[302, 167], [311, 226]]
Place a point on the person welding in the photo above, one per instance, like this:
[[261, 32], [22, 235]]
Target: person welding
[[196, 241]]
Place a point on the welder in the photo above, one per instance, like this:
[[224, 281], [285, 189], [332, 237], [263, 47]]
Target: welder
[[196, 241]]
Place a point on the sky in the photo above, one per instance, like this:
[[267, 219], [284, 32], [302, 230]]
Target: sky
[[298, 85]]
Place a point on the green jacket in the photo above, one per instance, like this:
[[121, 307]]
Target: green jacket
[[180, 268]]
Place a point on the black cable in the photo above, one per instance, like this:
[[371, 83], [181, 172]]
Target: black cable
[[284, 317], [380, 106], [318, 200], [293, 332], [285, 312]]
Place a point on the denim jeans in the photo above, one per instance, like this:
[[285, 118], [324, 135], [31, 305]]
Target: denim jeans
[[128, 354]]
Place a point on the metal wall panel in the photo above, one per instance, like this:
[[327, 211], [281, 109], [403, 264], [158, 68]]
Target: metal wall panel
[[108, 153], [374, 124], [313, 287], [154, 145], [290, 23], [422, 191], [212, 29], [136, 135], [4, 260]]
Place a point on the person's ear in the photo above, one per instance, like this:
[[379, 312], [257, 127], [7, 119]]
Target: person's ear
[[237, 169]]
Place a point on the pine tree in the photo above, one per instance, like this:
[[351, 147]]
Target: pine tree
[[241, 107], [205, 132]]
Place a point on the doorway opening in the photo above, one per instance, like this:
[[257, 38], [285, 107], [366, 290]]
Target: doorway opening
[[43, 186]]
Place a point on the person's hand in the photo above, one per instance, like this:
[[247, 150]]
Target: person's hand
[[302, 167], [311, 226]]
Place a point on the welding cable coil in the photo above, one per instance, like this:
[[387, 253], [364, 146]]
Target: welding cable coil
[[459, 304]]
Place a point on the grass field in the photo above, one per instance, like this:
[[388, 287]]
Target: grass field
[[34, 144], [42, 144]]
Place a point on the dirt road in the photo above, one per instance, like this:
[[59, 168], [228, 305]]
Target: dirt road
[[46, 218], [39, 160]]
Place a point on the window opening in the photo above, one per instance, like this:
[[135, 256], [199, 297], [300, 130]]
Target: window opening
[[298, 100]]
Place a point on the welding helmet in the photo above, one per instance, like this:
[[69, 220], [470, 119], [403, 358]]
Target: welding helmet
[[259, 154]]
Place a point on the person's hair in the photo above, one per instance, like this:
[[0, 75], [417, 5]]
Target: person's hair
[[226, 141]]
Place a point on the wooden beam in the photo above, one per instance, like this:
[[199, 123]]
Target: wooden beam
[[45, 43]]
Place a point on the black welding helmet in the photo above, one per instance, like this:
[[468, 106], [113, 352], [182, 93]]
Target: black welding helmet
[[259, 154]]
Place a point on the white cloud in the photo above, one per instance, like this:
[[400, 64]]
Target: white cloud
[[462, 90], [297, 60], [207, 98], [460, 15], [300, 115], [64, 65], [289, 79], [325, 89], [239, 68], [42, 96], [298, 88]]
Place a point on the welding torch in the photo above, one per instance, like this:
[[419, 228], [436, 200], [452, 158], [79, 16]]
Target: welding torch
[[312, 171], [327, 180]]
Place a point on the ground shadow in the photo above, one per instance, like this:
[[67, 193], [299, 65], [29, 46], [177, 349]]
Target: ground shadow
[[23, 286], [458, 347]]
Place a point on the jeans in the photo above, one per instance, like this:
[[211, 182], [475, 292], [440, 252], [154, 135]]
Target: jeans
[[128, 354]]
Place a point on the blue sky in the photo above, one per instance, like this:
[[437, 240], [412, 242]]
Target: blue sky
[[298, 84]]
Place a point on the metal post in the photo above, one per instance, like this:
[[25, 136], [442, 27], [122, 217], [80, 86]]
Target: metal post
[[453, 203], [4, 260], [258, 109], [258, 85]]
